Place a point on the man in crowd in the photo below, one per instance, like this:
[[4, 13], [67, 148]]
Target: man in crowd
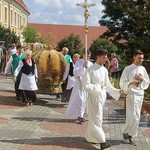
[[12, 50], [1, 56], [134, 80], [65, 93], [96, 83], [11, 66]]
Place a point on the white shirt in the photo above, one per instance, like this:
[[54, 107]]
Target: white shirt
[[128, 76]]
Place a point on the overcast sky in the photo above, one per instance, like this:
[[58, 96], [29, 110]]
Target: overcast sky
[[62, 12]]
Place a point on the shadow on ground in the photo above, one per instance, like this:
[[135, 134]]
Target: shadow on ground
[[65, 142], [8, 102], [39, 119]]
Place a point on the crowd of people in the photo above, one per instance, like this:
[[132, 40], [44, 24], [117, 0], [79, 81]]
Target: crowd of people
[[92, 82], [23, 69], [84, 87]]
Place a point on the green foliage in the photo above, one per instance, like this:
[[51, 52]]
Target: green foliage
[[128, 20], [29, 34], [122, 65], [43, 40], [115, 82], [8, 36], [101, 43], [2, 31], [73, 42]]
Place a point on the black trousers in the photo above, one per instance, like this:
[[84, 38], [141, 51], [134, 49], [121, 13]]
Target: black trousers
[[65, 93], [17, 91], [29, 96]]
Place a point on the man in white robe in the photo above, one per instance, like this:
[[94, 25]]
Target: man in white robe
[[134, 80], [96, 82], [78, 100]]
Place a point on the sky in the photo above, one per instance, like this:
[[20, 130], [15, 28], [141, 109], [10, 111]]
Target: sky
[[64, 12]]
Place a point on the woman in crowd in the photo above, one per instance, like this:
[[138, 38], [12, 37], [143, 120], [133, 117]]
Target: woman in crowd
[[29, 76], [71, 78]]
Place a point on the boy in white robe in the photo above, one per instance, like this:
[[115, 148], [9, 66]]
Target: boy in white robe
[[134, 80], [96, 82]]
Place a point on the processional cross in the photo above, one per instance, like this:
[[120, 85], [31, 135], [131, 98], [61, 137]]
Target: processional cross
[[86, 6]]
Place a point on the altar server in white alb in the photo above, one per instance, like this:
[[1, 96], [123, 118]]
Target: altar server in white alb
[[29, 76], [78, 100], [96, 82], [134, 80]]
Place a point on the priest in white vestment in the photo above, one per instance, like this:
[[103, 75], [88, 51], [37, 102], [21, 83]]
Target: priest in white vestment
[[78, 100], [134, 80], [96, 82]]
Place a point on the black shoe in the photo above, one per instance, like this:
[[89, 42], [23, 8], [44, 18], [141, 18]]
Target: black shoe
[[131, 141], [104, 145], [126, 137], [18, 98], [80, 119]]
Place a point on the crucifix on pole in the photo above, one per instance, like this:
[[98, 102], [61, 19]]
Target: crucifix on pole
[[86, 6]]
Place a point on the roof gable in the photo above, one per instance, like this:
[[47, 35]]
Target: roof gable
[[22, 4]]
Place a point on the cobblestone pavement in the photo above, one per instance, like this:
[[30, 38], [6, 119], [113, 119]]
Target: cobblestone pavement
[[44, 126]]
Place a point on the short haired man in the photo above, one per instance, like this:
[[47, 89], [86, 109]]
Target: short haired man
[[12, 50], [96, 82], [11, 66], [134, 80], [65, 93]]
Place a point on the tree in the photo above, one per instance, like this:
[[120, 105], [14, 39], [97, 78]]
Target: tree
[[128, 21], [8, 36], [102, 43], [73, 42], [29, 34]]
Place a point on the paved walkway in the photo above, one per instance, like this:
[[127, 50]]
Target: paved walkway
[[44, 126]]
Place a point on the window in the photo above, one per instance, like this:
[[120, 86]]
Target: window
[[24, 21], [15, 19], [12, 17], [6, 15], [18, 20], [0, 12]]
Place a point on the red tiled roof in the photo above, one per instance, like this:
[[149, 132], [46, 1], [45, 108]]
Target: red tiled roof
[[62, 31], [22, 4]]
